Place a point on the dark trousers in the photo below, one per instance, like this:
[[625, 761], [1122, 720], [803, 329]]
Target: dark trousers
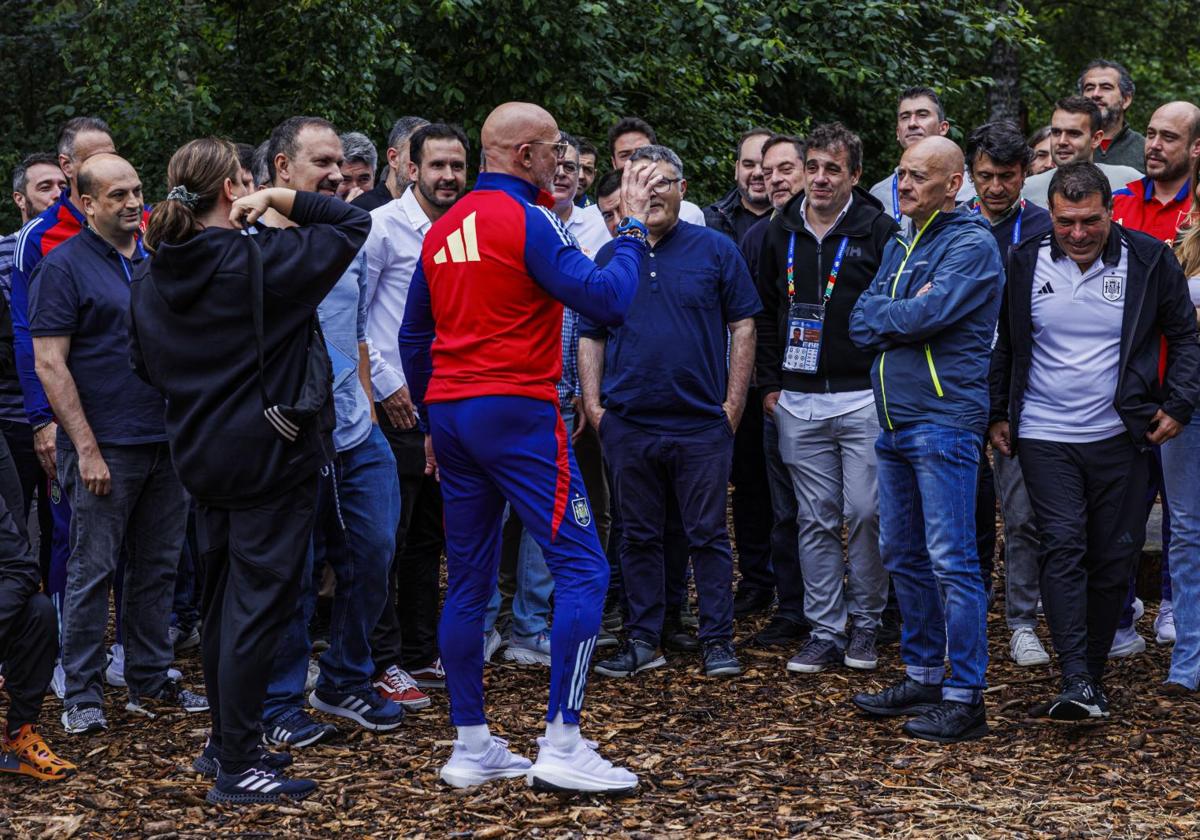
[[985, 520], [28, 622], [406, 633], [1089, 503], [785, 540], [252, 560], [753, 517], [648, 468]]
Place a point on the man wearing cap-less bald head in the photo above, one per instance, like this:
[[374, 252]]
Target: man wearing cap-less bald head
[[481, 344]]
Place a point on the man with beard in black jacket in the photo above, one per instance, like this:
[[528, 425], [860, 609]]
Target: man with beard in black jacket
[[818, 256], [225, 326]]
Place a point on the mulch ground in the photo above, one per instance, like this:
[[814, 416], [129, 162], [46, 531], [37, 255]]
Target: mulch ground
[[768, 754]]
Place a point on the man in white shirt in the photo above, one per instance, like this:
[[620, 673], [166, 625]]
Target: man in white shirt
[[405, 640], [919, 114], [1075, 134], [629, 134]]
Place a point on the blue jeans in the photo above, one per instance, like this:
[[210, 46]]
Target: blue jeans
[[927, 476], [359, 506], [1181, 477], [145, 510]]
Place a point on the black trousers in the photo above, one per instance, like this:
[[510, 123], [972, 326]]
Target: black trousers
[[251, 562], [406, 633], [1089, 504], [753, 515], [985, 520]]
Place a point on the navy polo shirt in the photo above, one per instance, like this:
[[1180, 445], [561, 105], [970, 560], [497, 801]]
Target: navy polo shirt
[[665, 368], [81, 289]]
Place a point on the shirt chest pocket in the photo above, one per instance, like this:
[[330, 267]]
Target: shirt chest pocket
[[698, 288]]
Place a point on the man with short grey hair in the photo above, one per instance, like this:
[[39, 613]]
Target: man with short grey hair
[[396, 180], [358, 165], [1110, 86], [667, 401]]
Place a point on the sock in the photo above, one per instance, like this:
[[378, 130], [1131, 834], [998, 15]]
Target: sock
[[562, 735], [476, 738]]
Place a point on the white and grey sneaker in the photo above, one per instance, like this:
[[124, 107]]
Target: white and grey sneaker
[[58, 682], [84, 720], [1127, 642], [491, 643], [466, 769], [1164, 624], [1026, 649], [578, 769], [114, 673], [181, 641], [525, 651]]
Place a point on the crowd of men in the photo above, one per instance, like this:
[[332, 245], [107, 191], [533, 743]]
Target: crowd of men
[[841, 357]]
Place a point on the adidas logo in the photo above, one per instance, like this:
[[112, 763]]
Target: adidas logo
[[258, 782], [1047, 289], [462, 244]]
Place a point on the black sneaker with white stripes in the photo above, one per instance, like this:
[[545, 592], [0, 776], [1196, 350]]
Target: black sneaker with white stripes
[[297, 729], [366, 708], [1080, 699], [208, 763], [257, 785]]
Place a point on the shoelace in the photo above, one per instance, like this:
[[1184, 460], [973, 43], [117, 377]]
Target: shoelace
[[400, 680]]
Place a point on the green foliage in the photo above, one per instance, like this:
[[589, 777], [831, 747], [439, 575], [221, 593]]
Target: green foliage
[[701, 71]]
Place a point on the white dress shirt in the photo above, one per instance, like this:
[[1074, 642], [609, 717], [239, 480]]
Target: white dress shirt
[[393, 249]]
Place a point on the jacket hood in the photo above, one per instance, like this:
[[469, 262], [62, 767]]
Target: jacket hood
[[862, 214], [182, 272]]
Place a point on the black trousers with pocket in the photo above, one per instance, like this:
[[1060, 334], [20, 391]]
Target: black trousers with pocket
[[251, 562]]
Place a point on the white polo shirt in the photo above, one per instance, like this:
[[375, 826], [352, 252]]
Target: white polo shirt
[[1076, 346], [393, 249], [588, 229]]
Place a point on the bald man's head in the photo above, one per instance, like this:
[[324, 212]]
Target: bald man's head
[[929, 177], [521, 139], [110, 195], [1173, 142]]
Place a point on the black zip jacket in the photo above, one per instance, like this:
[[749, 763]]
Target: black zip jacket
[[729, 217], [192, 337], [1157, 306], [842, 366]]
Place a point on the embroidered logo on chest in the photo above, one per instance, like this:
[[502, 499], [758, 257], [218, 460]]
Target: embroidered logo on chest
[[1112, 287]]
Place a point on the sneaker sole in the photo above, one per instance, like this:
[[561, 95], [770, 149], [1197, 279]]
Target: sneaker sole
[[610, 641], [971, 734], [653, 663], [802, 668], [1074, 712], [329, 708], [1128, 650], [724, 671], [525, 656], [215, 797], [550, 782], [860, 664], [1031, 663], [414, 705], [461, 779]]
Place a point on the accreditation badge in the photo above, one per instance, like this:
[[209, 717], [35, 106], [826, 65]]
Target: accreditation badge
[[805, 327]]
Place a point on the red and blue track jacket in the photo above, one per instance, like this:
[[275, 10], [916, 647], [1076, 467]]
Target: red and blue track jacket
[[485, 308]]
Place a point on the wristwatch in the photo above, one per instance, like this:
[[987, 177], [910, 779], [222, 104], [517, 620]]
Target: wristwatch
[[631, 227]]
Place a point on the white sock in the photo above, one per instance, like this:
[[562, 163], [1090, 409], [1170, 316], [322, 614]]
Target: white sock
[[562, 735], [476, 738]]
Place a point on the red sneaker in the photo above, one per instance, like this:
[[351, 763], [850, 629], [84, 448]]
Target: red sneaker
[[396, 685], [431, 676]]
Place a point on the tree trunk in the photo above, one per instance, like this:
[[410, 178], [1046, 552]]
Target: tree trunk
[[1004, 96]]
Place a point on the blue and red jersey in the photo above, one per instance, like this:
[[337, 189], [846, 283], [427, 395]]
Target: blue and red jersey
[[485, 309], [40, 235], [1135, 207]]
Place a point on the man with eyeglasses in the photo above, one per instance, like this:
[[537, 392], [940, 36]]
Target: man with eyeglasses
[[667, 402], [481, 344]]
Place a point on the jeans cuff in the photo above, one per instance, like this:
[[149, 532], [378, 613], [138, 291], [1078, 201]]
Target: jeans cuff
[[926, 676], [962, 695]]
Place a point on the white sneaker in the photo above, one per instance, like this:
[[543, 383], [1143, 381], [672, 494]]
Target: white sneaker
[[314, 674], [58, 682], [579, 768], [1127, 642], [1026, 648], [114, 674], [1139, 609], [1164, 624], [491, 643], [535, 651], [465, 769]]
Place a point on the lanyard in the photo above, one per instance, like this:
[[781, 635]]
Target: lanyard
[[1016, 234], [833, 271], [896, 198]]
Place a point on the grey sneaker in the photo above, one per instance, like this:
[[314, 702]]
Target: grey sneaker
[[181, 640], [84, 720], [815, 657], [631, 658], [860, 653], [172, 697]]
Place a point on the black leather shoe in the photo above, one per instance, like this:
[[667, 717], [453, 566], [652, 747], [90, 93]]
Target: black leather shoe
[[949, 722], [751, 601], [677, 638], [779, 632], [907, 697]]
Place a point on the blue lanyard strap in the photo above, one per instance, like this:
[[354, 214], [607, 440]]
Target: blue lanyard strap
[[896, 198], [975, 209], [833, 271]]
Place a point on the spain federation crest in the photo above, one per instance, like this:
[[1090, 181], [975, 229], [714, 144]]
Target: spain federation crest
[[1112, 287], [581, 511]]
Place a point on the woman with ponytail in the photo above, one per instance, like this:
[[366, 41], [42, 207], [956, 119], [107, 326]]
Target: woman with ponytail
[[223, 322]]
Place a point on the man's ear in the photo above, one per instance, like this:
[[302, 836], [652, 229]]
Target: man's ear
[[393, 157], [683, 188], [19, 200], [956, 181], [412, 172], [281, 167]]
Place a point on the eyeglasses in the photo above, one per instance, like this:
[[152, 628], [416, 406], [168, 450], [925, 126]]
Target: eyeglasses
[[560, 149], [568, 167], [664, 186]]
